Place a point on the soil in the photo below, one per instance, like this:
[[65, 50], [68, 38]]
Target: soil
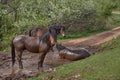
[[52, 58], [116, 12]]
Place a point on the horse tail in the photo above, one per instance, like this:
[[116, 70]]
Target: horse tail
[[13, 52]]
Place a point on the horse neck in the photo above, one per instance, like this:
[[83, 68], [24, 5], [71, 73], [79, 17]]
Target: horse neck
[[62, 47], [54, 34], [58, 29], [45, 38], [65, 48]]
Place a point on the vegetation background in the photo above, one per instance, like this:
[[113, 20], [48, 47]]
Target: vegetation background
[[19, 16]]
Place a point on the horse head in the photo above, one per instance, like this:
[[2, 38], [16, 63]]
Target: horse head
[[62, 30], [60, 47], [59, 29]]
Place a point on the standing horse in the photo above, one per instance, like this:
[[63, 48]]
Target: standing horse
[[36, 32], [40, 45]]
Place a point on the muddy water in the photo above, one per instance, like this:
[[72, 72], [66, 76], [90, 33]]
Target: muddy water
[[29, 62]]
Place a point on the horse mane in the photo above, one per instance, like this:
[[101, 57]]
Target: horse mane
[[53, 32], [57, 28], [61, 47], [30, 32], [45, 37]]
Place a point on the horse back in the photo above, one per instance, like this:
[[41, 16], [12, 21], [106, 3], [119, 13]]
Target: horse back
[[37, 32]]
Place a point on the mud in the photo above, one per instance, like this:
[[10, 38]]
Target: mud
[[52, 58], [30, 64], [29, 60]]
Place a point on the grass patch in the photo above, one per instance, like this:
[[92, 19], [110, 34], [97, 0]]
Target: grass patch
[[73, 35], [113, 21], [105, 65]]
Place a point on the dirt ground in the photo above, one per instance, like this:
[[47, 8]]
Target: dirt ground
[[116, 12], [52, 58]]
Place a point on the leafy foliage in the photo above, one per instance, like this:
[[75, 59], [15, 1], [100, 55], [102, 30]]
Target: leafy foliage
[[18, 16]]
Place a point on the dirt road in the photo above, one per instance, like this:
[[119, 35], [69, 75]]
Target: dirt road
[[116, 12], [52, 59]]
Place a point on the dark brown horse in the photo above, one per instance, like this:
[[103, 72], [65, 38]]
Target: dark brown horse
[[40, 45], [36, 32], [75, 54]]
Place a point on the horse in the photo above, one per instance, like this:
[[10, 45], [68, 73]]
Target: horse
[[40, 45], [38, 31], [73, 55]]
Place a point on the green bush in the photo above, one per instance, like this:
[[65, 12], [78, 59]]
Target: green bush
[[77, 15]]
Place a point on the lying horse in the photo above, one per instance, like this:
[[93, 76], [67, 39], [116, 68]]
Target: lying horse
[[40, 45], [36, 32], [72, 55]]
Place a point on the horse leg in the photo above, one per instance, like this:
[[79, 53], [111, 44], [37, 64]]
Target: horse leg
[[19, 57], [41, 59]]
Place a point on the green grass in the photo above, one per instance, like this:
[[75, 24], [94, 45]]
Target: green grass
[[113, 21], [105, 65], [116, 19], [73, 35]]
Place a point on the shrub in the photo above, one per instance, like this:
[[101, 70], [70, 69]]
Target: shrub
[[19, 16]]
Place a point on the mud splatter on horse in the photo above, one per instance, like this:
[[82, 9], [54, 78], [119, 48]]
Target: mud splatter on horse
[[40, 45], [76, 54]]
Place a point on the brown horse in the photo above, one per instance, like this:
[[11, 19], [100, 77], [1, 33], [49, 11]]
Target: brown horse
[[40, 45], [36, 32], [76, 54]]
